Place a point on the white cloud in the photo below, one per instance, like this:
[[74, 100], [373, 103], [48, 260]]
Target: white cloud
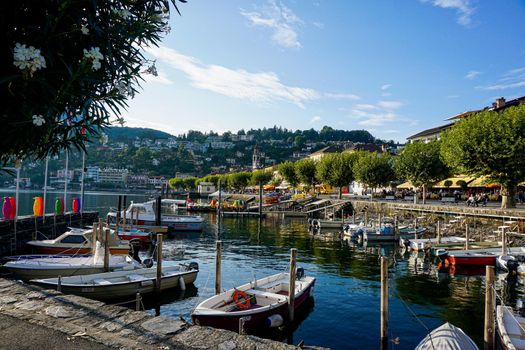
[[315, 119], [390, 104], [385, 87], [319, 25], [374, 118], [280, 19], [512, 79], [339, 96], [365, 106], [261, 87], [463, 8], [473, 74]]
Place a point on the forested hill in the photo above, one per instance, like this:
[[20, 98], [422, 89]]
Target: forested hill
[[126, 134]]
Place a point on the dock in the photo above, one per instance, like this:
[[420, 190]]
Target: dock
[[110, 326]]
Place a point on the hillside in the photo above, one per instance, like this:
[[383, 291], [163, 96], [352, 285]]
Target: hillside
[[127, 134]]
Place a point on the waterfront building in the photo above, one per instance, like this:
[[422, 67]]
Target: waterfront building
[[114, 176], [206, 188], [93, 172]]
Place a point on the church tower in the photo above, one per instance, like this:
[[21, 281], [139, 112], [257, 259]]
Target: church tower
[[256, 158]]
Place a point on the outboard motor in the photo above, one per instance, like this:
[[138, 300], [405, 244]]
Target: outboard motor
[[134, 248], [148, 262], [299, 273], [520, 305], [194, 265], [442, 255], [512, 267]]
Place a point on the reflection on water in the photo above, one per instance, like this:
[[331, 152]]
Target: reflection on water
[[345, 311]]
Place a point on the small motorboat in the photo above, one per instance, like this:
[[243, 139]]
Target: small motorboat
[[511, 326], [54, 266], [318, 224], [474, 257], [144, 214], [121, 284], [449, 337], [262, 303], [514, 264], [410, 231], [426, 243], [134, 234], [76, 241]]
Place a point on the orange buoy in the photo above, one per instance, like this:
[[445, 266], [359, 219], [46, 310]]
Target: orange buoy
[[38, 207]]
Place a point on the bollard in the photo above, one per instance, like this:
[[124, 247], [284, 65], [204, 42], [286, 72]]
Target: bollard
[[138, 299]]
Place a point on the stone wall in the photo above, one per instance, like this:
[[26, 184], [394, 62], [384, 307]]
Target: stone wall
[[13, 236]]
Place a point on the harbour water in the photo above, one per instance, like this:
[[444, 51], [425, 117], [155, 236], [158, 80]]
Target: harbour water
[[344, 313]]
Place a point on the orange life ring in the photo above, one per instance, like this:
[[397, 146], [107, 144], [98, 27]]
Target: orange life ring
[[241, 299]]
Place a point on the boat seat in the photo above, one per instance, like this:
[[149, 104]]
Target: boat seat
[[260, 293], [101, 281], [136, 278]]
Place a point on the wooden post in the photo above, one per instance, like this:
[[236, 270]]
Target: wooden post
[[503, 241], [467, 237], [218, 267], [119, 209], [366, 218], [159, 262], [343, 216], [260, 199], [158, 211], [137, 301], [353, 216], [124, 203], [438, 231], [415, 224], [396, 219], [291, 287], [94, 238], [220, 198], [384, 303], [106, 251], [488, 336], [379, 218]]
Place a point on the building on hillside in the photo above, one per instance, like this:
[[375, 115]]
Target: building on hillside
[[93, 172], [317, 155], [157, 181], [137, 180], [256, 158], [114, 176], [434, 133], [206, 188], [182, 175], [369, 147]]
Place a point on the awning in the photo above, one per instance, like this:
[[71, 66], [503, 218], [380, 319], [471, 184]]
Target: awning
[[483, 182], [454, 180], [406, 185]]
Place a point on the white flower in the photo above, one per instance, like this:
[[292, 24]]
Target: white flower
[[103, 139], [95, 56], [28, 58], [124, 89], [84, 29], [38, 120]]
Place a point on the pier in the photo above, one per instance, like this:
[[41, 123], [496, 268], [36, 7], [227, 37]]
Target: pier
[[110, 326]]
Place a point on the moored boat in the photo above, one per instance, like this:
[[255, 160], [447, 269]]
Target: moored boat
[[474, 256], [76, 241], [134, 234], [120, 284], [261, 304], [447, 336], [511, 327], [426, 243]]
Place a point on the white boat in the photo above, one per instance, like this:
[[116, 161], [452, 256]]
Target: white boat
[[267, 304], [449, 337], [514, 264], [511, 328], [319, 224], [54, 266], [425, 243], [120, 284], [76, 241], [144, 214]]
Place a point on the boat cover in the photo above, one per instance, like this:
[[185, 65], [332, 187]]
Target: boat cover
[[447, 337]]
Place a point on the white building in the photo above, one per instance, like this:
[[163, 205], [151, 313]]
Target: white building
[[206, 188], [115, 176]]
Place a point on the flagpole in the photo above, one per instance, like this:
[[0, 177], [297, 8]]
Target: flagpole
[[82, 182], [65, 181], [45, 186]]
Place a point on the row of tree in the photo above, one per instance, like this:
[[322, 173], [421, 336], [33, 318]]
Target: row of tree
[[237, 181]]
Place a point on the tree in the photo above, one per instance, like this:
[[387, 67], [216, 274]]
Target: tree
[[490, 144], [374, 170], [287, 171], [68, 66], [176, 183], [239, 180], [305, 171], [189, 183], [421, 163], [261, 177], [336, 169]]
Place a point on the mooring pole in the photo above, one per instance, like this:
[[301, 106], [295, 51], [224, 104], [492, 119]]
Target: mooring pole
[[342, 216], [119, 209], [45, 188], [220, 198], [395, 224], [158, 211], [260, 199], [503, 241], [438, 231], [137, 301], [82, 184], [106, 250], [65, 182], [291, 290], [384, 303], [218, 267], [94, 237], [366, 218], [353, 216], [488, 336], [159, 262], [379, 220], [467, 237], [124, 204]]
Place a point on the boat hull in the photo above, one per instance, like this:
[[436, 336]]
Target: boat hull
[[116, 291], [254, 321], [56, 250]]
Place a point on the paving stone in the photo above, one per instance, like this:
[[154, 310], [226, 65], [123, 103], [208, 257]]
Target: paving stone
[[7, 299], [163, 326], [31, 305]]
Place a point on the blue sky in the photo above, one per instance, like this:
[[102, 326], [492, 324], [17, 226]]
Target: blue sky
[[391, 67]]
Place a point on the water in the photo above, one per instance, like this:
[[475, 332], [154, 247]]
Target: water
[[344, 313]]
